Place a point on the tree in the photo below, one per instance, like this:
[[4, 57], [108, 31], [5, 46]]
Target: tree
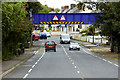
[[57, 10], [81, 6], [37, 7], [109, 23], [77, 29], [16, 28], [92, 31], [45, 9]]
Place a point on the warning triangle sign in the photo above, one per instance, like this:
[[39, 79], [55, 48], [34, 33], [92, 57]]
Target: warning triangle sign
[[62, 18], [55, 18]]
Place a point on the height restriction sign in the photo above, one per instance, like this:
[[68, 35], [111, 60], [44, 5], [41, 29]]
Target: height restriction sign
[[62, 18], [55, 18]]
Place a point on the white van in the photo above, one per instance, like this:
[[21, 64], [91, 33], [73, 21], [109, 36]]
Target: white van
[[65, 38]]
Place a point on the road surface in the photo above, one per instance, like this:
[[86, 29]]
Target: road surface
[[65, 64]]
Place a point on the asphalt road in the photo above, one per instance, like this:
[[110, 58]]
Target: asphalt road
[[65, 64]]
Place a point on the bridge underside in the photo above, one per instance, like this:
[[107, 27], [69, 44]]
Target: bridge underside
[[64, 18], [61, 22]]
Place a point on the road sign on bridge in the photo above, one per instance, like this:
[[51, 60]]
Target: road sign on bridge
[[64, 18]]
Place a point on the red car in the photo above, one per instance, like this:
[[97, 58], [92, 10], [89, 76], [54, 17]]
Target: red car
[[50, 45], [35, 37]]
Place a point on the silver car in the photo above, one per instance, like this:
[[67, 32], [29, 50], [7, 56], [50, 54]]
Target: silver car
[[74, 46], [48, 34]]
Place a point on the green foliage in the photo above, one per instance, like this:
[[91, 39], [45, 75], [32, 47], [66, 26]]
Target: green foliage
[[79, 5], [84, 31], [57, 10], [89, 7], [91, 29], [37, 7], [16, 28], [111, 21], [44, 10], [77, 29]]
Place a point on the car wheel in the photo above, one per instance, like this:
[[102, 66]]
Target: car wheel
[[69, 48], [55, 50], [78, 49], [45, 50]]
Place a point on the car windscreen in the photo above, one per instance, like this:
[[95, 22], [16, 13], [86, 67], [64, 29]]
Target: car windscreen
[[50, 43], [65, 37], [74, 44]]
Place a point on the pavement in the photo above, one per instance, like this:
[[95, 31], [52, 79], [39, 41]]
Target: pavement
[[8, 66], [65, 64]]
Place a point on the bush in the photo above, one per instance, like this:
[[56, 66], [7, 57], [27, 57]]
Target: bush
[[77, 29]]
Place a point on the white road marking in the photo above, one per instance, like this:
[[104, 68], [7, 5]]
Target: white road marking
[[73, 63], [104, 59], [78, 71], [75, 67], [95, 56], [25, 76], [100, 57], [116, 65], [29, 70], [34, 65], [110, 62], [36, 52], [38, 60]]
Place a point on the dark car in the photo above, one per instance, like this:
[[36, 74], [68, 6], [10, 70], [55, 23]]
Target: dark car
[[43, 35], [50, 45]]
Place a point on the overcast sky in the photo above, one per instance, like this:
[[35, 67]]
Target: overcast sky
[[57, 3]]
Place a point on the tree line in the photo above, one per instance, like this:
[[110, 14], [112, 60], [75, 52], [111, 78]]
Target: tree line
[[17, 26], [108, 22]]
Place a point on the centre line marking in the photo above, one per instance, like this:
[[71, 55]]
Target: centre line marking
[[36, 52], [73, 63]]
